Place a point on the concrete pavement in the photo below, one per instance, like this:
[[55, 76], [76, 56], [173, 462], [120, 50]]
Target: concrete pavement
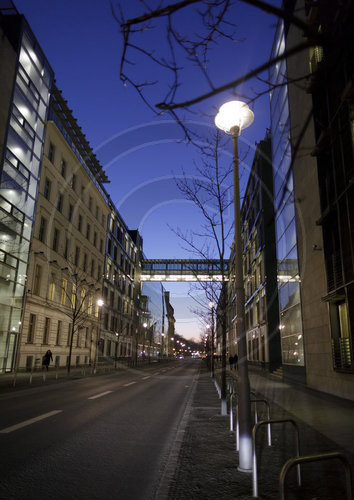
[[207, 461]]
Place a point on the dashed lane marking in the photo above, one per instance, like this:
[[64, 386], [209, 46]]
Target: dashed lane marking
[[130, 383], [145, 378], [30, 421], [100, 395]]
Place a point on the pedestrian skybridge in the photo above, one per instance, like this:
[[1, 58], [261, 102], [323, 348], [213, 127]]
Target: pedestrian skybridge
[[182, 270]]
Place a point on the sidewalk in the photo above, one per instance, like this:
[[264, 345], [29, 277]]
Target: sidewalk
[[207, 460], [9, 382]]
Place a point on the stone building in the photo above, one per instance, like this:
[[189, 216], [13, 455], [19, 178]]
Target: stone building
[[66, 264]]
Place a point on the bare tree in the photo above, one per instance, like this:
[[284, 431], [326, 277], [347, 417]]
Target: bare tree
[[78, 294], [210, 192], [190, 47]]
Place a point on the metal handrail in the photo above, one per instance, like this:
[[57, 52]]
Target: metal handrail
[[255, 401], [256, 417], [254, 452], [316, 458]]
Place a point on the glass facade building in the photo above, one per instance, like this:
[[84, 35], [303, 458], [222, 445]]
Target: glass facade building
[[156, 308], [291, 329], [30, 79]]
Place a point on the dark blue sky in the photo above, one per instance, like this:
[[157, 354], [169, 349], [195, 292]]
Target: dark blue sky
[[140, 152]]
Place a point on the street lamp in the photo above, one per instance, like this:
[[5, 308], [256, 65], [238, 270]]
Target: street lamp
[[232, 117], [116, 351], [212, 305], [99, 303]]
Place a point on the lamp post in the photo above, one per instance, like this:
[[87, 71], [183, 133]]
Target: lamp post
[[212, 305], [99, 303], [232, 117], [116, 351]]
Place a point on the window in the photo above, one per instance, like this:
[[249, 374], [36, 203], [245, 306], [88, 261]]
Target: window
[[51, 290], [82, 192], [37, 280], [60, 202], [88, 231], [51, 152], [70, 212], [58, 333], [343, 357], [101, 245], [31, 328], [90, 305], [95, 238], [66, 248], [42, 230], [87, 338], [64, 286], [47, 187], [63, 168], [73, 296], [77, 256], [78, 339], [73, 182], [69, 334], [97, 212], [99, 273], [92, 267], [84, 265], [46, 330], [90, 203], [56, 235], [79, 224]]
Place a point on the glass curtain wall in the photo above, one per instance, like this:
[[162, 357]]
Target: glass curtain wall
[[291, 330], [155, 305], [20, 169]]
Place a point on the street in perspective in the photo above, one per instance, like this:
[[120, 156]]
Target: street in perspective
[[176, 249]]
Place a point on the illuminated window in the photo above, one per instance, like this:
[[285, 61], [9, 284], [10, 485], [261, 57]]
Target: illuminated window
[[73, 296], [51, 291], [64, 286]]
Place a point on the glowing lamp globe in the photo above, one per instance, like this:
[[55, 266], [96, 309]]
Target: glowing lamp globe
[[234, 116]]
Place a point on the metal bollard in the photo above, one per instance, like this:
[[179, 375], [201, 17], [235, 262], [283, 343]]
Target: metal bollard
[[316, 458], [254, 452]]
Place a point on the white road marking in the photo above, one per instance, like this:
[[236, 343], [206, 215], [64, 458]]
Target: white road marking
[[130, 383], [100, 395], [145, 378], [29, 422]]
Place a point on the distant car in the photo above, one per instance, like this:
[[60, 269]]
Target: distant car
[[180, 356]]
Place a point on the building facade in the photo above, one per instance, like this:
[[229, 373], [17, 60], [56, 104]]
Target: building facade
[[312, 131], [259, 263], [66, 262], [26, 80], [121, 290], [290, 311]]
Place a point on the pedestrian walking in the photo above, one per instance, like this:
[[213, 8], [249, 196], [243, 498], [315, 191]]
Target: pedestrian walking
[[235, 360], [46, 359], [231, 360]]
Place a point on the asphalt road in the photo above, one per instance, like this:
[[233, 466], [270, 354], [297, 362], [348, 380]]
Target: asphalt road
[[103, 437]]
